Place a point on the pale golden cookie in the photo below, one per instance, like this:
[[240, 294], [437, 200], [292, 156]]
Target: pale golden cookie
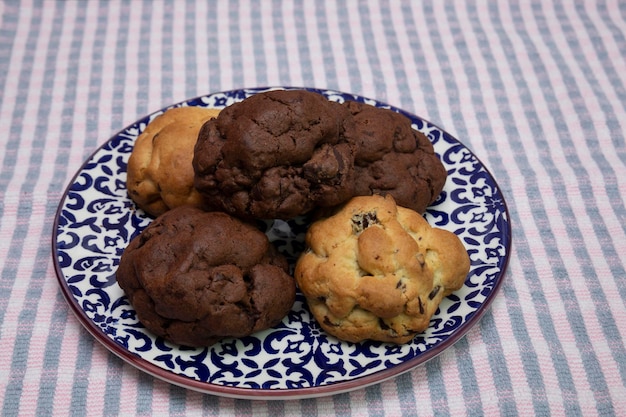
[[160, 170], [378, 271]]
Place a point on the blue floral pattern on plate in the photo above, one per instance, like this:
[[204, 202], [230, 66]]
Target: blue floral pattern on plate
[[96, 219]]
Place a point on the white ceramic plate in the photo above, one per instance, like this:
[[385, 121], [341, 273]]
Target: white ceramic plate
[[96, 219]]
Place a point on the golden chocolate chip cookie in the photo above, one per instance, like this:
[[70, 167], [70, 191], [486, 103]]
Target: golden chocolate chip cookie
[[375, 270], [160, 172]]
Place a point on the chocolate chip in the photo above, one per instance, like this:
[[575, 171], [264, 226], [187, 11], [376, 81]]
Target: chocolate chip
[[434, 292], [328, 322], [362, 221]]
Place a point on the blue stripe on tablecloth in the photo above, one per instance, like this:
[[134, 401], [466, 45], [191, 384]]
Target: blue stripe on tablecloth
[[260, 62], [326, 46], [308, 407], [143, 55], [211, 405], [365, 20], [236, 56], [352, 64], [119, 72], [275, 408], [27, 316], [177, 400], [374, 400], [10, 18], [282, 55], [587, 125], [191, 64], [213, 52], [421, 63], [498, 365], [467, 375], [95, 82], [167, 54], [304, 52], [342, 404], [437, 387], [242, 407], [452, 90], [51, 356], [113, 386], [145, 393], [8, 29], [406, 394], [406, 100], [80, 385], [52, 350]]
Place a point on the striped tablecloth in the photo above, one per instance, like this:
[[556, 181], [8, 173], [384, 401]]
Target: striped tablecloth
[[536, 89]]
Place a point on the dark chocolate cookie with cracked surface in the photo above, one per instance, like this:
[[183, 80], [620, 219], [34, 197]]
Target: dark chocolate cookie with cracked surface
[[196, 277], [277, 154], [393, 158]]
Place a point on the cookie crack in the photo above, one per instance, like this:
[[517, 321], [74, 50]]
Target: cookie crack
[[361, 221]]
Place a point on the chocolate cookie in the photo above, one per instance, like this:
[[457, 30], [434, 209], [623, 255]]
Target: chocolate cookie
[[196, 277], [160, 174], [378, 271], [276, 154], [393, 158]]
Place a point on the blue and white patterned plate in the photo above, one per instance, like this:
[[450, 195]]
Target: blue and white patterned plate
[[96, 219]]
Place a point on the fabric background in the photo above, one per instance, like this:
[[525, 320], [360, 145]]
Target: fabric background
[[536, 89]]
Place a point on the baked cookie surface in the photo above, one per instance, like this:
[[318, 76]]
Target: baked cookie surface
[[276, 154], [196, 277], [393, 158], [378, 271], [160, 173]]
